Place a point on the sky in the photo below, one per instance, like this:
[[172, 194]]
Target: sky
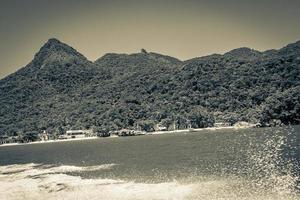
[[180, 28]]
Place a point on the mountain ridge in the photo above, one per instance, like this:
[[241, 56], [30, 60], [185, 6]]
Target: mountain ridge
[[57, 42]]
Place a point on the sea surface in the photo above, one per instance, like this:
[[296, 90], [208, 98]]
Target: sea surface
[[242, 164]]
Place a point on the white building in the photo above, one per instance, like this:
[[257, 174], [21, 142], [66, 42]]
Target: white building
[[44, 136], [76, 133], [221, 124], [160, 127]]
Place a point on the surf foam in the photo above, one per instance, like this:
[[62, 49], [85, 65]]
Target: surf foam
[[34, 181]]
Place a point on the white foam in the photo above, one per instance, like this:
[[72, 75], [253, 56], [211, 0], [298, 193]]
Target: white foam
[[33, 181], [32, 169]]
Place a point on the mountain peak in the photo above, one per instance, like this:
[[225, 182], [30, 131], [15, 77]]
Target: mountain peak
[[53, 41], [137, 58], [244, 53], [55, 50], [54, 44], [242, 50]]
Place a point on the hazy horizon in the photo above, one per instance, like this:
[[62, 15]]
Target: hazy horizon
[[182, 29]]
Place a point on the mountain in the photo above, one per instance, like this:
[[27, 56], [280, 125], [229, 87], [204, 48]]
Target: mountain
[[60, 89]]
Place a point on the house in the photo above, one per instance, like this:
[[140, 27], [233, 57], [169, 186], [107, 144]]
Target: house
[[103, 134], [44, 136], [221, 124], [126, 132], [3, 139], [8, 139], [63, 137], [160, 127], [139, 132], [76, 133], [113, 133]]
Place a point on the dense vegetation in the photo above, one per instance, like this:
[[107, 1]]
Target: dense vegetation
[[60, 89]]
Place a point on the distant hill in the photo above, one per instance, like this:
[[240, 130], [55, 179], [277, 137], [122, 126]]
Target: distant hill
[[60, 89]]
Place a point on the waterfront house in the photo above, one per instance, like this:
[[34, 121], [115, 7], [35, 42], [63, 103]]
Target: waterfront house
[[126, 132], [221, 124], [160, 127], [72, 134], [44, 136], [103, 134], [63, 137], [76, 133], [8, 139], [136, 133], [3, 139], [113, 133], [243, 124]]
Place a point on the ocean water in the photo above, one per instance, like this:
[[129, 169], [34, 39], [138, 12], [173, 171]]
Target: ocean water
[[244, 164]]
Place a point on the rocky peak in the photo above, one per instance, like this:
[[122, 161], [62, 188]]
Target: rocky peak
[[244, 53], [55, 51]]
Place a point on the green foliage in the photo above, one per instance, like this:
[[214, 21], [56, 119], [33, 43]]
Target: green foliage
[[30, 136], [283, 106], [200, 118], [146, 125]]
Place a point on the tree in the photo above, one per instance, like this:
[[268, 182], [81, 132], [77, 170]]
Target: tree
[[146, 125], [200, 118], [143, 51]]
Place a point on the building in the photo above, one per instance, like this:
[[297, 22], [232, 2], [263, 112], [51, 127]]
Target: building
[[136, 133], [44, 136], [160, 127], [76, 133], [3, 139], [221, 124], [103, 133], [126, 132], [8, 139], [243, 124]]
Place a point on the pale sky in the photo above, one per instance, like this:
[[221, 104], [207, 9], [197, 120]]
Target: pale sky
[[180, 28]]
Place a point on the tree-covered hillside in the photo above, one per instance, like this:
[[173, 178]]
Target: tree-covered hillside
[[60, 89]]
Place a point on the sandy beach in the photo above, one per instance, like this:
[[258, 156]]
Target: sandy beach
[[50, 141]]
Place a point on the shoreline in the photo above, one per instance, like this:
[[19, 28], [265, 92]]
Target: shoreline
[[194, 130], [49, 141], [191, 130]]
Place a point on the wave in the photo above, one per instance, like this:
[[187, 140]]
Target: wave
[[35, 181], [37, 169]]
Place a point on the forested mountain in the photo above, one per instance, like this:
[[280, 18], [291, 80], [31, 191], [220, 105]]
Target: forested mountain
[[60, 89]]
